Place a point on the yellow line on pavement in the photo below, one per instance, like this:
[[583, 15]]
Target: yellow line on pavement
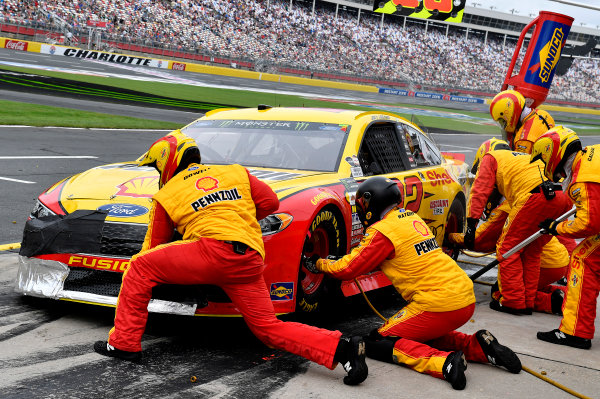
[[6, 247]]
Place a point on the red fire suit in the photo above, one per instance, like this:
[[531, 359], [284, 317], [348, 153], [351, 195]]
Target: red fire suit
[[554, 259], [439, 293], [213, 207], [579, 306], [518, 181]]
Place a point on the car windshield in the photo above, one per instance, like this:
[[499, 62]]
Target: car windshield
[[270, 144]]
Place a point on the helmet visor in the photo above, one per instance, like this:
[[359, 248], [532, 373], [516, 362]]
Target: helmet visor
[[502, 123]]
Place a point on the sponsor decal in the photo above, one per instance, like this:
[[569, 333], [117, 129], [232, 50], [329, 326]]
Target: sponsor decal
[[191, 168], [159, 63], [94, 262], [207, 184], [438, 211], [16, 45], [575, 280], [400, 314], [108, 57], [354, 241], [282, 291], [324, 216], [550, 54], [576, 192], [139, 187], [591, 154], [178, 66], [223, 195], [124, 210], [320, 197], [438, 179], [443, 203], [52, 50], [403, 213], [421, 228], [426, 246]]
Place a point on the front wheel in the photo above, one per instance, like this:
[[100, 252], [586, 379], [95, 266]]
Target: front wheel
[[324, 237], [454, 224]]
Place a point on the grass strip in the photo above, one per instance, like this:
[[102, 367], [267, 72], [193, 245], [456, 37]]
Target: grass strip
[[17, 113]]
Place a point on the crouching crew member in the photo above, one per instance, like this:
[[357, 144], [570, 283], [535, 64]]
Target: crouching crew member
[[216, 209], [439, 293], [520, 183], [560, 150]]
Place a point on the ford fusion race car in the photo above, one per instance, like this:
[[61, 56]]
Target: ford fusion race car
[[83, 230]]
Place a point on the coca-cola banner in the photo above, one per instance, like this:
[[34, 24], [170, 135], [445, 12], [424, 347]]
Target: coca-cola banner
[[16, 45], [102, 56], [178, 66]]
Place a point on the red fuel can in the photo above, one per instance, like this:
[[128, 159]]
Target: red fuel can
[[550, 31]]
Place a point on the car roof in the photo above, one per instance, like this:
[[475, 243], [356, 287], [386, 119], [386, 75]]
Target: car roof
[[328, 115]]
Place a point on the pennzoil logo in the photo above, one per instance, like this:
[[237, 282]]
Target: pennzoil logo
[[139, 187], [282, 291], [550, 54], [207, 183]]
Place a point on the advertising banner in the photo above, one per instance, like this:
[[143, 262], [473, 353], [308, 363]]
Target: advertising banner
[[433, 96], [102, 56]]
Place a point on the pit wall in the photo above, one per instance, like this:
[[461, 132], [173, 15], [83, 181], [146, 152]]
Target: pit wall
[[73, 52]]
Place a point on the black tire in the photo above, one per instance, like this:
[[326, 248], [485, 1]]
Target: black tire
[[455, 223], [325, 236]]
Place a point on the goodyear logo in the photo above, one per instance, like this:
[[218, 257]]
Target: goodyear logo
[[550, 54], [282, 291]]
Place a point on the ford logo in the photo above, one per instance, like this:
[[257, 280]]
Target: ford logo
[[124, 210]]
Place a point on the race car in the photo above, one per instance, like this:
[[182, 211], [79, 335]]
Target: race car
[[83, 230]]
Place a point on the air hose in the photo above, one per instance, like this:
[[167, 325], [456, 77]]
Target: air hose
[[524, 368]]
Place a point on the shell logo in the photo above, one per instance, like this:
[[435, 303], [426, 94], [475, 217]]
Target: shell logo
[[421, 228], [139, 187], [207, 183]]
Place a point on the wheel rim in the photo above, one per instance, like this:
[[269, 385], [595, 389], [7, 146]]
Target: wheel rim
[[451, 227], [319, 243]]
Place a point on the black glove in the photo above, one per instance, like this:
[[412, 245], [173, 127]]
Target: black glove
[[549, 227], [470, 234], [310, 264]]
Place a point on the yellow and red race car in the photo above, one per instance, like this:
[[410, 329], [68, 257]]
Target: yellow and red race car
[[83, 230]]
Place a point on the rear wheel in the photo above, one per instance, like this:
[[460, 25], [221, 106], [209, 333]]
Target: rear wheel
[[325, 237], [454, 224]]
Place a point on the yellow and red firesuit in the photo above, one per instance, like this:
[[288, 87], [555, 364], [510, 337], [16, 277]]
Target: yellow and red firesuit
[[519, 182], [439, 293], [536, 123], [215, 208], [579, 306], [554, 259]]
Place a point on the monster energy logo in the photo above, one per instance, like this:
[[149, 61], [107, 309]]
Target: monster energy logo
[[226, 124], [301, 126]]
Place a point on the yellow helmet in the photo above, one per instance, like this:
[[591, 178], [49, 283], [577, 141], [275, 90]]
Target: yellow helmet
[[554, 148], [506, 109], [492, 144], [171, 154]]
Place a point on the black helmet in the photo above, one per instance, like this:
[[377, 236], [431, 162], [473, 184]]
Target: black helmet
[[374, 196]]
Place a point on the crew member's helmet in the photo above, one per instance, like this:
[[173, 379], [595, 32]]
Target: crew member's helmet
[[171, 154], [492, 144], [554, 148], [506, 109], [374, 196]]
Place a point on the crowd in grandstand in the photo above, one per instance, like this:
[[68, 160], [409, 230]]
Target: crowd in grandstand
[[270, 31]]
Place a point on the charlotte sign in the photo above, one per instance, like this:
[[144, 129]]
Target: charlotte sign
[[101, 56]]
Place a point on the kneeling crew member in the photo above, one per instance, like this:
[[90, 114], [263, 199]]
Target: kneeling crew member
[[439, 293]]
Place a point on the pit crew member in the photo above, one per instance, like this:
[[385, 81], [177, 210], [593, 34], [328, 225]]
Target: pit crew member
[[520, 183], [215, 208], [561, 151], [440, 295]]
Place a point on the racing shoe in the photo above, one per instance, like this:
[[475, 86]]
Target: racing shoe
[[106, 349], [560, 338], [497, 306], [498, 355], [454, 370], [351, 354]]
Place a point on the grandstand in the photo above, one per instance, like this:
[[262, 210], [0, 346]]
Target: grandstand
[[336, 39]]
